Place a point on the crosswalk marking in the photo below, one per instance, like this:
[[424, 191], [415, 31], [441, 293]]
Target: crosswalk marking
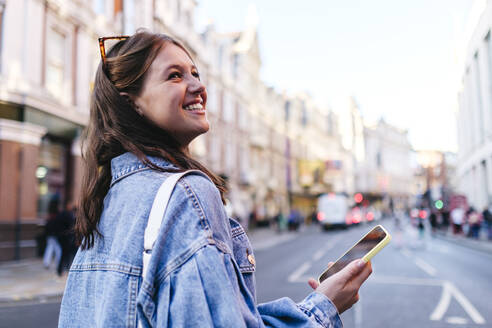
[[295, 276], [429, 269]]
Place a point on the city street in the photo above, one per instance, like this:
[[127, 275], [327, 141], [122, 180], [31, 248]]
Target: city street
[[436, 284], [415, 283]]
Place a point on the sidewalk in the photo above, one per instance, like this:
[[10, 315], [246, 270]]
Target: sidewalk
[[263, 238], [28, 280], [481, 244]]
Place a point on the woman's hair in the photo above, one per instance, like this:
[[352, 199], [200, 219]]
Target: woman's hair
[[115, 128]]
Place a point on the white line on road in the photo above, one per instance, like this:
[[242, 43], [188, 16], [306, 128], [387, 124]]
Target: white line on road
[[457, 320], [443, 304], [404, 280], [429, 269], [297, 275], [406, 253], [465, 303], [449, 291], [319, 254], [294, 277]]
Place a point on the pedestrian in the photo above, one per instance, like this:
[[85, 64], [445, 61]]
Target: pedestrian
[[457, 216], [487, 218], [53, 251], [148, 104], [474, 221], [421, 228], [433, 221], [445, 219], [65, 222]]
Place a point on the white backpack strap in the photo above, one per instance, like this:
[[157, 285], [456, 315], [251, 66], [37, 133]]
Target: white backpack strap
[[157, 214]]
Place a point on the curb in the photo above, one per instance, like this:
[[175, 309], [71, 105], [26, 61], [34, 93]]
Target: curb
[[39, 298], [483, 246]]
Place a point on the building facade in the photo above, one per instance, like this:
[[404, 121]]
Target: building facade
[[387, 172], [277, 151], [475, 115]]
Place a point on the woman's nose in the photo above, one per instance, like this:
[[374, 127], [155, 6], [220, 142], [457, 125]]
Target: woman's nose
[[196, 86]]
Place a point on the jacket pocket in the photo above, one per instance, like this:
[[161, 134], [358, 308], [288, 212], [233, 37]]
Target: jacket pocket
[[243, 255]]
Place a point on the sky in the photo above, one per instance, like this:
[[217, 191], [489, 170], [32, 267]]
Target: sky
[[401, 60]]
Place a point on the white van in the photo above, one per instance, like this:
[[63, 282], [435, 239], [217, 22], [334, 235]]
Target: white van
[[333, 210]]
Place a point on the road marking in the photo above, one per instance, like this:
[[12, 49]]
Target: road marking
[[443, 304], [457, 320], [466, 304], [406, 252], [429, 269], [297, 275], [358, 315], [449, 291], [294, 276], [319, 254], [380, 279]]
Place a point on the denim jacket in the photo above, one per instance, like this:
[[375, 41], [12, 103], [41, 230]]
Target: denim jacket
[[201, 273]]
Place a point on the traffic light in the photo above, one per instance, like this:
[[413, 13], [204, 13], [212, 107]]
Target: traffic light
[[438, 204], [358, 197]]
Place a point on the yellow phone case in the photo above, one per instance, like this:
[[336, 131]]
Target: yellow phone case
[[366, 258], [378, 247]]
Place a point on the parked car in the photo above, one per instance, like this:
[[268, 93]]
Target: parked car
[[333, 211]]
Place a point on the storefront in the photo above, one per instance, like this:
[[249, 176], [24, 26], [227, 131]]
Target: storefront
[[37, 167]]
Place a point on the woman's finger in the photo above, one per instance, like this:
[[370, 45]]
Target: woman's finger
[[313, 283]]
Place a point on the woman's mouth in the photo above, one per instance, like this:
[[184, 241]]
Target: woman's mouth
[[195, 108]]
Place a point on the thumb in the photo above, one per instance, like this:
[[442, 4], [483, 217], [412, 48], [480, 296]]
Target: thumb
[[353, 269]]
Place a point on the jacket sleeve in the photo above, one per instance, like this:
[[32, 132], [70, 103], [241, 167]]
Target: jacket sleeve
[[207, 291], [316, 310]]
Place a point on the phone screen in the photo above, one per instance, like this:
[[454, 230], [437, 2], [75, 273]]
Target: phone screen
[[373, 237]]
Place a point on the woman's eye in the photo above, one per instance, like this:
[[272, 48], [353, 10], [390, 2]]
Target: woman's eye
[[174, 75], [196, 74]]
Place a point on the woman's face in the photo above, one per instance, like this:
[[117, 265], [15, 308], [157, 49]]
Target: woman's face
[[173, 97]]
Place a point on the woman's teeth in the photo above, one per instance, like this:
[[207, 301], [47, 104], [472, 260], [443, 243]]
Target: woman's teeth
[[196, 106]]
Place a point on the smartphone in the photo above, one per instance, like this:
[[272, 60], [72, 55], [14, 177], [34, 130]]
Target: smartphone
[[365, 248]]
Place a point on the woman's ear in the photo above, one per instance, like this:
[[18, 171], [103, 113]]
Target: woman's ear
[[132, 103]]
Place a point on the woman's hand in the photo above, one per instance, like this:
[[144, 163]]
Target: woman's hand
[[343, 287]]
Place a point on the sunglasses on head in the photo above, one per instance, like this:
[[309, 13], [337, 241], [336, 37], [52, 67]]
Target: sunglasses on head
[[102, 48]]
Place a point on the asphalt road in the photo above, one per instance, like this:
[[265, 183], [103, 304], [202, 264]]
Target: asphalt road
[[415, 283]]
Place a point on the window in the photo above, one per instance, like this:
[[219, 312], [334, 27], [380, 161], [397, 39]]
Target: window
[[243, 116], [55, 62], [304, 117], [287, 110], [228, 108], [99, 7], [220, 54], [214, 150], [2, 12], [212, 98], [478, 96], [235, 65], [230, 156], [129, 17], [178, 10]]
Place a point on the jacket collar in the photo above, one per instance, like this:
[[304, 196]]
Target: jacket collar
[[127, 163]]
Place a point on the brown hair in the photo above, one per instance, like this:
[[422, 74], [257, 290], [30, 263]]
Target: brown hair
[[115, 128]]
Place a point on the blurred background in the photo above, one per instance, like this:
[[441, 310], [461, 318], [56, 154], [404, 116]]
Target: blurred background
[[323, 114]]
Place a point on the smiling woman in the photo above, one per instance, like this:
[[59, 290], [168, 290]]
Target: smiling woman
[[148, 105]]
